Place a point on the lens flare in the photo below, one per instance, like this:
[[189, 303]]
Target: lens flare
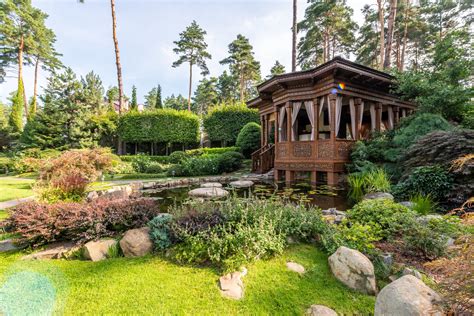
[[342, 86]]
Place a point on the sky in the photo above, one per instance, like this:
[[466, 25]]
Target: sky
[[146, 30]]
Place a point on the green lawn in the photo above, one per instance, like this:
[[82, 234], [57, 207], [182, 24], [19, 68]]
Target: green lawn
[[12, 188], [152, 285]]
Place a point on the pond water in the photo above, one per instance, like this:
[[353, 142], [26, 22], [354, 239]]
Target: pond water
[[322, 196]]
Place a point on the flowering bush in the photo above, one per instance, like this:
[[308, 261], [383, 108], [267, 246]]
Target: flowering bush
[[41, 223]]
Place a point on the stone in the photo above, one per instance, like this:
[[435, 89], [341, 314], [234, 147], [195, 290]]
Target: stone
[[425, 219], [414, 272], [211, 185], [240, 184], [7, 245], [339, 218], [116, 193], [231, 285], [320, 310], [98, 250], [92, 195], [353, 269], [450, 242], [208, 193], [378, 195], [408, 296], [387, 259], [295, 267], [136, 242], [148, 185], [408, 204], [57, 250]]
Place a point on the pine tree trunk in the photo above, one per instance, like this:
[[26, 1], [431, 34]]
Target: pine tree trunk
[[295, 34], [117, 55], [20, 73], [390, 29], [190, 85], [35, 87], [405, 33], [382, 32]]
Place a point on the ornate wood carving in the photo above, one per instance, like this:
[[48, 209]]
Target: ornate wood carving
[[302, 150], [325, 150], [344, 149], [282, 151]]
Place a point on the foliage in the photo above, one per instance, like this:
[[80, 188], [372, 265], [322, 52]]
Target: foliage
[[205, 96], [378, 213], [229, 161], [249, 138], [223, 123], [371, 181], [159, 231], [243, 66], [277, 69], [15, 121], [199, 166], [210, 151], [178, 102], [160, 159], [153, 99], [423, 204], [167, 126], [355, 236], [144, 164], [134, 103], [429, 180], [68, 176], [177, 156], [40, 223]]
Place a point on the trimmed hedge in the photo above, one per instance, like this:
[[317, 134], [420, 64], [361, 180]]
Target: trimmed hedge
[[160, 159], [161, 126], [249, 138], [224, 123], [211, 151]]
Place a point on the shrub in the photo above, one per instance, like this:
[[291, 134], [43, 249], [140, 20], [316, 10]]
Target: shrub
[[178, 157], [229, 161], [422, 204], [202, 165], [210, 151], [160, 159], [430, 180], [224, 123], [160, 231], [373, 180], [249, 138], [356, 236], [67, 176], [40, 223], [176, 171], [161, 126], [378, 213], [6, 164], [140, 163]]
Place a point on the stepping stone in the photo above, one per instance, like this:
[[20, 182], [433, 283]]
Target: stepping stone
[[7, 245], [57, 250], [241, 184], [295, 267], [231, 285], [320, 310], [208, 193], [211, 185], [378, 195]]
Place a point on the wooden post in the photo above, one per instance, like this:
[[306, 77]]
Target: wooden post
[[277, 120], [276, 175], [378, 116], [333, 178], [262, 135], [396, 115], [289, 127], [316, 118], [358, 121], [332, 119], [289, 177], [313, 178]]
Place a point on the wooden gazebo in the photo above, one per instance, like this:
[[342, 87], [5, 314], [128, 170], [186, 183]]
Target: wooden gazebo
[[310, 119]]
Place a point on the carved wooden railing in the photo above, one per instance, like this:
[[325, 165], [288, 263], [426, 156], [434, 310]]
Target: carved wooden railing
[[263, 159]]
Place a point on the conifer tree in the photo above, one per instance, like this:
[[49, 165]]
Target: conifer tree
[[134, 104], [158, 102], [15, 120]]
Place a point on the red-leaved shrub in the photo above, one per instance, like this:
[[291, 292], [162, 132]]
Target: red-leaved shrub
[[41, 223]]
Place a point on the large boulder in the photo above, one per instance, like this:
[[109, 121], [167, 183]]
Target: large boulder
[[353, 269], [320, 310], [378, 195], [98, 250], [7, 245], [240, 184], [231, 285], [408, 296], [136, 242], [211, 185], [208, 193]]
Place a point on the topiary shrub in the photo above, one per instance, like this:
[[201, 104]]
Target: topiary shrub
[[210, 151], [229, 161], [177, 157], [223, 123], [249, 138], [434, 181]]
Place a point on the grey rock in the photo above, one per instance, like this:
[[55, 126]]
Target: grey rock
[[211, 185], [353, 269], [339, 218], [378, 195], [408, 204], [240, 184], [57, 250], [295, 267], [98, 250], [387, 259], [408, 296], [136, 242], [425, 219], [208, 193], [231, 285], [92, 195], [320, 310], [414, 272], [7, 245]]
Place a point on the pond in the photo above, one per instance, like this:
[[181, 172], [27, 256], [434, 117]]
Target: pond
[[322, 196]]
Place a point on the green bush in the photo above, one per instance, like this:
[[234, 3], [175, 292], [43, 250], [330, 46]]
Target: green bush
[[6, 165], [224, 123], [161, 126], [378, 213], [141, 163], [373, 180], [176, 171], [160, 159], [434, 181], [249, 138], [160, 231], [177, 157], [229, 161], [423, 204], [210, 151], [355, 236], [201, 166]]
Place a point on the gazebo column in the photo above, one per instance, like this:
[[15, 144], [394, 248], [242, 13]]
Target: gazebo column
[[277, 126], [378, 116], [316, 118], [358, 121], [396, 115], [289, 175], [333, 178], [332, 119], [262, 134]]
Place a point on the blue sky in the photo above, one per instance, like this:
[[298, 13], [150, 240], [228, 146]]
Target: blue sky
[[147, 29]]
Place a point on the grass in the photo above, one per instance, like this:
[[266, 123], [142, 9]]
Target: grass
[[423, 204], [152, 285], [12, 188]]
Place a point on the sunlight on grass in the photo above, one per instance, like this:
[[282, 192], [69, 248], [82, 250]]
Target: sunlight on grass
[[151, 284], [11, 188]]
